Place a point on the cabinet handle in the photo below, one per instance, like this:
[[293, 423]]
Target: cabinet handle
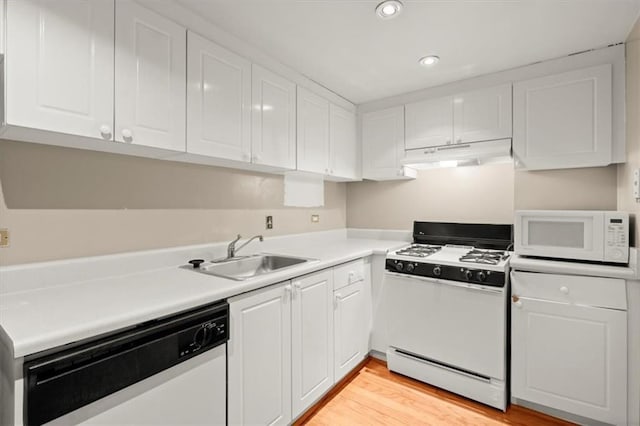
[[246, 157], [105, 131], [287, 290], [336, 300], [448, 142], [326, 171], [564, 290], [331, 171], [255, 158], [127, 135], [459, 140], [296, 288]]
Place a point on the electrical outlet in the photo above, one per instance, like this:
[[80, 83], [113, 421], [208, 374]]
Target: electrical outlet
[[315, 218], [4, 238], [269, 222]]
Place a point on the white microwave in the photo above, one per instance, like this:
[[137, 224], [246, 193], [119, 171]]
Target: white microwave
[[600, 236]]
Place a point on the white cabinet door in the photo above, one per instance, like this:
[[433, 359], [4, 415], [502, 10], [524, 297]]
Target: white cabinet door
[[311, 339], [383, 144], [150, 78], [259, 357], [313, 132], [60, 73], [343, 144], [569, 357], [429, 123], [482, 115], [273, 130], [563, 120], [350, 328], [218, 101]]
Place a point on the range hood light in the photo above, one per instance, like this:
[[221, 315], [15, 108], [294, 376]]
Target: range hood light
[[449, 163]]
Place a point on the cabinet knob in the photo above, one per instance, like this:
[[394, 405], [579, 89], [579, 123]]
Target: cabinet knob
[[448, 142], [287, 289], [105, 131], [516, 301], [331, 171], [255, 158], [459, 140], [326, 171], [564, 290], [336, 299], [127, 135]]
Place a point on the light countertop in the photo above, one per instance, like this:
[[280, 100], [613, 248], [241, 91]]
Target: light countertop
[[39, 317]]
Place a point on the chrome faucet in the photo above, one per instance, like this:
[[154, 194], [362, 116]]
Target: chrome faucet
[[232, 249]]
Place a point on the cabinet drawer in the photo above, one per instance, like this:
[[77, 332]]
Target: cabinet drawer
[[590, 291], [348, 273]]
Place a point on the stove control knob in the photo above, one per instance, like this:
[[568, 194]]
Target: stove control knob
[[399, 266], [468, 274], [410, 267], [437, 271], [482, 276]]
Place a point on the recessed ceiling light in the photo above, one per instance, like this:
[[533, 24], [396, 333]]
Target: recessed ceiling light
[[427, 61], [389, 9]]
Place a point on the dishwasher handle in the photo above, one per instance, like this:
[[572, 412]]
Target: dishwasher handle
[[63, 381]]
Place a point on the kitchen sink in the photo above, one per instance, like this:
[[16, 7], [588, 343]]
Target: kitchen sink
[[246, 267]]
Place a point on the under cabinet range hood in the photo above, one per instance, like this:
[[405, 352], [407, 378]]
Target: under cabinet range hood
[[463, 154]]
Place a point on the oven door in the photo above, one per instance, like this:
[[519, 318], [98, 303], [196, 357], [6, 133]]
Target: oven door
[[560, 234], [456, 324]]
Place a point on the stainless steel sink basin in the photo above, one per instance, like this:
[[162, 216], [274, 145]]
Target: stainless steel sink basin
[[243, 268]]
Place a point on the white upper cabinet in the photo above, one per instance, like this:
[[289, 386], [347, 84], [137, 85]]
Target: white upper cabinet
[[150, 78], [383, 145], [343, 143], [429, 123], [311, 339], [218, 101], [474, 116], [273, 130], [564, 120], [482, 115], [59, 66], [313, 132]]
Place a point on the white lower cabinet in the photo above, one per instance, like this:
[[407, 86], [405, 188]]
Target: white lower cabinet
[[259, 357], [291, 342], [311, 339], [568, 355], [350, 328]]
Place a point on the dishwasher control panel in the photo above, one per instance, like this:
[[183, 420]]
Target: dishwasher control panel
[[203, 336]]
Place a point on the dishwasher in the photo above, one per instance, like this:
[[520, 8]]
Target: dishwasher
[[166, 371]]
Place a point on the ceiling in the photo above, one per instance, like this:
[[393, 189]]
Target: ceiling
[[344, 46]]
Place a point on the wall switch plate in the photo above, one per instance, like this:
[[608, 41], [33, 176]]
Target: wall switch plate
[[269, 222], [315, 218], [636, 184], [4, 238]]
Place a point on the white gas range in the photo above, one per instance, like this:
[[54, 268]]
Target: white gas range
[[446, 302]]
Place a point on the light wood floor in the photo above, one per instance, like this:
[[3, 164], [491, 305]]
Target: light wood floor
[[375, 396]]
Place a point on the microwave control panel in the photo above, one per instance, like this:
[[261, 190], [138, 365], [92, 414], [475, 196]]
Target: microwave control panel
[[616, 238]]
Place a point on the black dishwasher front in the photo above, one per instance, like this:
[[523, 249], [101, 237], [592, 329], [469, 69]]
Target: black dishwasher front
[[59, 382]]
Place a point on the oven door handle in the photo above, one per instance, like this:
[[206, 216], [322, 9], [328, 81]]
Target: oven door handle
[[476, 287]]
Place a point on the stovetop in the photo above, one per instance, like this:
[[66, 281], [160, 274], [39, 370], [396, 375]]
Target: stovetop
[[453, 255]]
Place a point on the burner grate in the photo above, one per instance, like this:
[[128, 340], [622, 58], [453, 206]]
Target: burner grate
[[487, 257], [419, 250]]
